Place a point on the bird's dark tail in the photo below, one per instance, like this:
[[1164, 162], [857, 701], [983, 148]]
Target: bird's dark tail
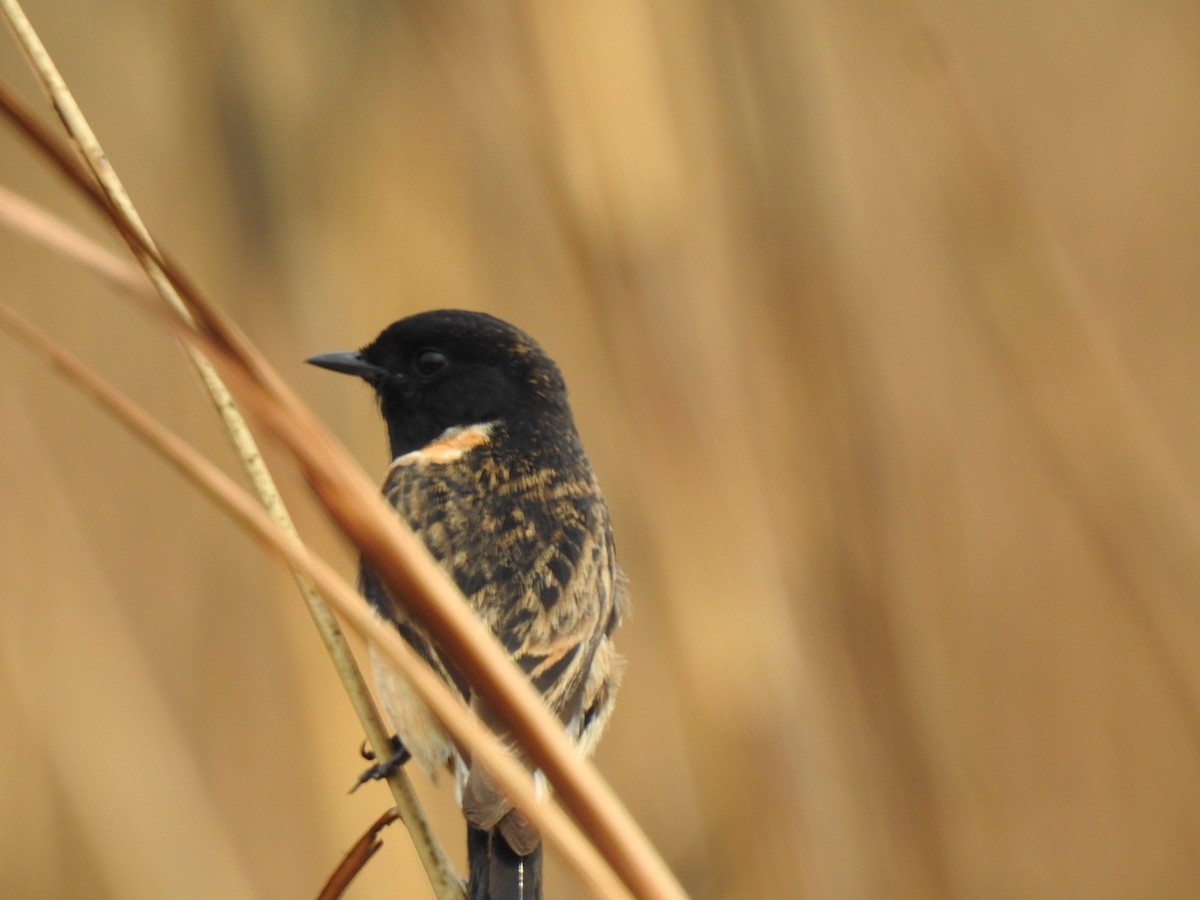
[[498, 872]]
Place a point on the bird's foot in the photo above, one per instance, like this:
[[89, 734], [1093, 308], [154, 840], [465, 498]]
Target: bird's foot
[[386, 769]]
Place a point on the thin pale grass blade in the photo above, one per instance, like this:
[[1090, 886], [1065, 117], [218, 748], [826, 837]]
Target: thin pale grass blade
[[30, 127], [89, 254], [64, 162], [406, 566], [96, 160], [361, 513], [105, 189], [234, 345], [450, 710], [42, 226]]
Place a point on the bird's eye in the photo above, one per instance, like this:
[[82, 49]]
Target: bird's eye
[[429, 361]]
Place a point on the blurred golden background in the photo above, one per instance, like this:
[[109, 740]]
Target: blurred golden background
[[880, 321]]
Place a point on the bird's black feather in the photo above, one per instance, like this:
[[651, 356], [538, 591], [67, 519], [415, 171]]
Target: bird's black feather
[[488, 470]]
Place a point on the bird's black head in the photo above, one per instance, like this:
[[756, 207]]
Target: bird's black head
[[447, 368]]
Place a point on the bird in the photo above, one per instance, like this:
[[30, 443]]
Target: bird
[[488, 470]]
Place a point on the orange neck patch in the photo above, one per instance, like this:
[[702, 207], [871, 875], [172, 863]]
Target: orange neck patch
[[450, 445]]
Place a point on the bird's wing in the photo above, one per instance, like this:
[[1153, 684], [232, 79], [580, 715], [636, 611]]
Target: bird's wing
[[535, 559]]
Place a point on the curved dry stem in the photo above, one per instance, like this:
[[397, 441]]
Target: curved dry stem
[[406, 567], [432, 597], [463, 725], [116, 202], [356, 858]]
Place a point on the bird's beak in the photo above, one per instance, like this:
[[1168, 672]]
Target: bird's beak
[[350, 362]]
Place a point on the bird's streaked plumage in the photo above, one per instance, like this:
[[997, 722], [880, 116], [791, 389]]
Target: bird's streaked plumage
[[488, 470]]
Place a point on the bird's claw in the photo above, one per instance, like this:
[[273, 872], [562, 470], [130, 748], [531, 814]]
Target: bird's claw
[[386, 769]]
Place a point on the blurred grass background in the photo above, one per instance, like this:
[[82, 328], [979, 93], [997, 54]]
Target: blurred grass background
[[880, 321]]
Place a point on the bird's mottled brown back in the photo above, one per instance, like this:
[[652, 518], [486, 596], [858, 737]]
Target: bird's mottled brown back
[[529, 542]]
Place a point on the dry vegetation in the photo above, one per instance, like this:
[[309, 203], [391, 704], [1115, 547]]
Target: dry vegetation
[[880, 322]]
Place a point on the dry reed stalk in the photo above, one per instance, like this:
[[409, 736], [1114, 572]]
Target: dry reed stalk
[[117, 203], [405, 566], [450, 710]]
